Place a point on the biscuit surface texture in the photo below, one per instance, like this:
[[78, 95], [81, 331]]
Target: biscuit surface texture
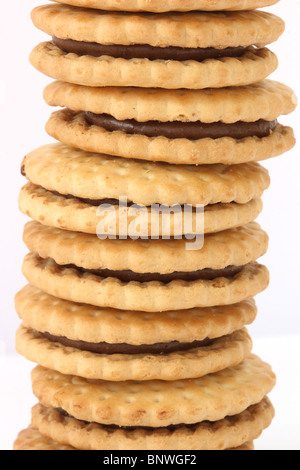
[[156, 403], [196, 29], [68, 171], [266, 100]]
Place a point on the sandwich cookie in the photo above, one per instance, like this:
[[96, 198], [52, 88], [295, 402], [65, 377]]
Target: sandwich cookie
[[148, 362], [31, 439], [205, 436], [169, 411], [79, 215], [229, 125], [95, 193], [172, 50], [146, 275], [157, 6], [108, 344]]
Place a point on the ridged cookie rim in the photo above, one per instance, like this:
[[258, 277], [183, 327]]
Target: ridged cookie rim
[[196, 29], [253, 66], [70, 284], [267, 100]]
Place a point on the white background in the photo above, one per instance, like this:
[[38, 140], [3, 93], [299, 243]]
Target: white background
[[23, 116]]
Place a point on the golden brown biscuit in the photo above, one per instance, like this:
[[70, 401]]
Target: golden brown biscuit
[[78, 286], [46, 313], [158, 6], [196, 29], [69, 171], [96, 270], [252, 66], [236, 247], [197, 361], [265, 100], [72, 128], [32, 439], [205, 436], [156, 403], [70, 213], [255, 105]]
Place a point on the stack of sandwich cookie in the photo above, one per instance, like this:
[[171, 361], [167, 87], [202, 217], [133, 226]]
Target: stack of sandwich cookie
[[144, 254]]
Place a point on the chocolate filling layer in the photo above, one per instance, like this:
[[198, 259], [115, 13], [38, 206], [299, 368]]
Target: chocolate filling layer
[[96, 202], [114, 427], [116, 202], [183, 130], [124, 348], [130, 276], [144, 51]]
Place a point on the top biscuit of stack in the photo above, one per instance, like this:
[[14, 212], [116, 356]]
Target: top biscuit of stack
[[157, 47]]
